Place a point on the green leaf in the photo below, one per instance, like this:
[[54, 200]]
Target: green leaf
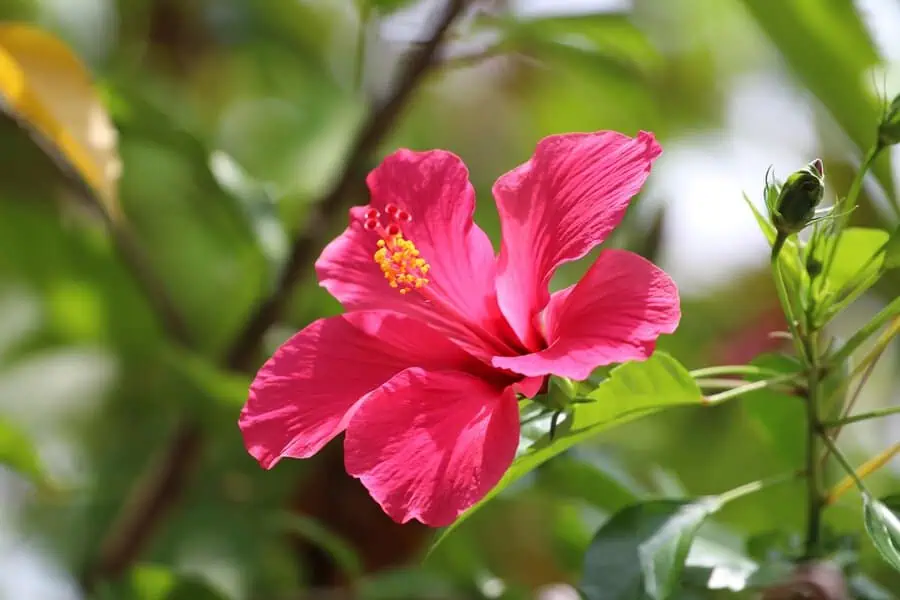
[[662, 556], [567, 477], [607, 40], [205, 246], [335, 546], [388, 6], [771, 573], [892, 251], [633, 390], [158, 582], [48, 89], [260, 207], [764, 225], [883, 528], [223, 388], [854, 254], [643, 548], [789, 258], [829, 50], [864, 588], [18, 454], [406, 583], [778, 420], [892, 502]]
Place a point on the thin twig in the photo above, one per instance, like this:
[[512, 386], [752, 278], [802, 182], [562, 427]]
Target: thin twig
[[866, 416], [848, 468], [126, 242], [848, 206], [868, 363], [759, 485], [749, 387], [151, 285], [861, 472], [164, 484], [734, 370], [857, 393]]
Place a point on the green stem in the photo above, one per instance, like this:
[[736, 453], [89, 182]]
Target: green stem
[[720, 384], [815, 494], [865, 366], [855, 292], [866, 416], [778, 244], [832, 447], [849, 204], [863, 471], [759, 485], [747, 388], [859, 278], [877, 322], [856, 186], [787, 308], [734, 370]]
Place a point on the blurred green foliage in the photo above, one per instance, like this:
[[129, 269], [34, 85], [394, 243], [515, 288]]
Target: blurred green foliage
[[233, 117]]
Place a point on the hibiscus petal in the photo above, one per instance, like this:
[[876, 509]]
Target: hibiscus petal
[[428, 445], [306, 392], [613, 315], [433, 187], [557, 206]]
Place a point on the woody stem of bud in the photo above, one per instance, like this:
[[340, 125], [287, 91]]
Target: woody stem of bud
[[787, 307], [814, 484], [805, 338], [849, 204], [778, 244]]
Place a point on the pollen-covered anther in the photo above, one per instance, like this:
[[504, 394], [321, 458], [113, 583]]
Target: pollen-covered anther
[[399, 260]]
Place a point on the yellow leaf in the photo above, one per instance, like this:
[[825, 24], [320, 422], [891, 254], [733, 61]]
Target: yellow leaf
[[49, 90]]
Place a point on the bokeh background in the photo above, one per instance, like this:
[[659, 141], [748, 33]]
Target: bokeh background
[[234, 117]]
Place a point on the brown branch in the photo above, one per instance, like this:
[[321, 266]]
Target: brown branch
[[246, 346], [152, 286], [164, 484], [126, 242]]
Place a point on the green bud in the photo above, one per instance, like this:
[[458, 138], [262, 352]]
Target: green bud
[[889, 129], [795, 206], [813, 266]]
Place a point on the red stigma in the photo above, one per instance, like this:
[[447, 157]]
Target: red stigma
[[370, 224], [392, 229], [371, 214], [819, 167], [403, 216], [391, 209]]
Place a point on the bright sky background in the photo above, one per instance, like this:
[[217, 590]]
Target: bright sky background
[[704, 178]]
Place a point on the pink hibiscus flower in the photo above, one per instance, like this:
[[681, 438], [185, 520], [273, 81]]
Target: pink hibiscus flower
[[440, 335]]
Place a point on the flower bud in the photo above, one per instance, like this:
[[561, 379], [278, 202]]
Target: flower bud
[[889, 129], [798, 198], [813, 266]]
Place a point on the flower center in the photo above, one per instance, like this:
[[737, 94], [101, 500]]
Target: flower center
[[397, 257]]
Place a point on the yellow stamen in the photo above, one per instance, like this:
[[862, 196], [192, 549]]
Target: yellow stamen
[[399, 260]]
